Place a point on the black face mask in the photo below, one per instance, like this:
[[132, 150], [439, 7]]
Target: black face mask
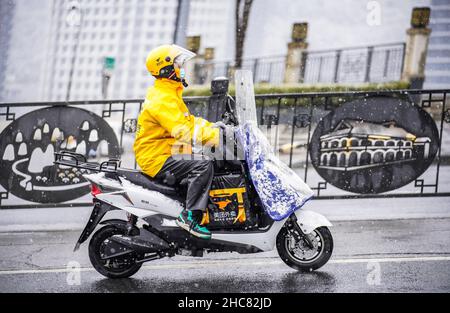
[[169, 73]]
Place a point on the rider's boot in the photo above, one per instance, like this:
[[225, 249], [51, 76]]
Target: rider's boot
[[190, 221]]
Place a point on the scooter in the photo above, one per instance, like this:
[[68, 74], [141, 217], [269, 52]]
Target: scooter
[[235, 216]]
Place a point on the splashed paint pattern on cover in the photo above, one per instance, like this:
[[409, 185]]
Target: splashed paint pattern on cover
[[280, 189]]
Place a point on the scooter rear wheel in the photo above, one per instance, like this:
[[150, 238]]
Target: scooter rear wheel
[[299, 256], [120, 267]]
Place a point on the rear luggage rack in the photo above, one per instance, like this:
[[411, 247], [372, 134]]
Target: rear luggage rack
[[72, 159]]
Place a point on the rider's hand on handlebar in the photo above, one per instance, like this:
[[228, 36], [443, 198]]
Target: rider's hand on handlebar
[[219, 124], [229, 132]]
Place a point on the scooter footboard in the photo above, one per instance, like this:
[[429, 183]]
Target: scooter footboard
[[309, 220]]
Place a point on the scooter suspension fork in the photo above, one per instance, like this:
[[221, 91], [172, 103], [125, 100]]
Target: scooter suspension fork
[[295, 230]]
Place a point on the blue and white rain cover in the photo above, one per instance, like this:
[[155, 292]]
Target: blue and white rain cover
[[280, 189]]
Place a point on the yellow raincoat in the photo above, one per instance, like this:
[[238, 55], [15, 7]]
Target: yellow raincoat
[[166, 127]]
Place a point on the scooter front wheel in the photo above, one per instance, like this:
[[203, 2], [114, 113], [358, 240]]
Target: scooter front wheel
[[118, 267], [299, 255]]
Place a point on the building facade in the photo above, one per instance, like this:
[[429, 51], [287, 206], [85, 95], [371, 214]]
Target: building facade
[[437, 68], [7, 9], [125, 30]]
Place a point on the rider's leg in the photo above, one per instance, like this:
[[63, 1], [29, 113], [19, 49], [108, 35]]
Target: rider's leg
[[199, 174]]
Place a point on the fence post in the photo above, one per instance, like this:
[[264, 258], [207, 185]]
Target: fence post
[[193, 44], [416, 48], [229, 71], [295, 60], [209, 64], [336, 66], [368, 63], [386, 63], [255, 68]]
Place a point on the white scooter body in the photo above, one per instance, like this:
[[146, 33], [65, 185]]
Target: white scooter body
[[142, 202]]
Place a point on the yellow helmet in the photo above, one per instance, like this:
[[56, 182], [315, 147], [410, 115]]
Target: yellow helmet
[[166, 61]]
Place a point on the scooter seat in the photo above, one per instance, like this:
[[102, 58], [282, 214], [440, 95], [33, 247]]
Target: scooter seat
[[140, 179]]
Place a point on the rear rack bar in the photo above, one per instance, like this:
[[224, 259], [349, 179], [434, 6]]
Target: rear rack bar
[[72, 159]]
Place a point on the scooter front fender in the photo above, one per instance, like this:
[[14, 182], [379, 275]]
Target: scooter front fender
[[309, 220]]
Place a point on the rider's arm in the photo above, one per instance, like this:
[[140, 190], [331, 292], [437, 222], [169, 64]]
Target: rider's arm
[[184, 128], [204, 132], [203, 121]]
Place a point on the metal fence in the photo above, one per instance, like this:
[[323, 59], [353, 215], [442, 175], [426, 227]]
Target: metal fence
[[265, 70], [372, 64], [380, 63], [295, 123]]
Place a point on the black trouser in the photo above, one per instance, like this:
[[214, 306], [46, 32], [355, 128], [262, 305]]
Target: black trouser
[[199, 174]]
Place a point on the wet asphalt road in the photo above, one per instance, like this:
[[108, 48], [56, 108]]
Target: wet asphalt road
[[369, 256]]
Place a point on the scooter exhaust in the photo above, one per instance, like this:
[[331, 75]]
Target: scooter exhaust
[[144, 243]]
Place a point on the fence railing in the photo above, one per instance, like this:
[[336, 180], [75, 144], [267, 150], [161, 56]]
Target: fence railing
[[372, 64], [380, 63], [265, 70], [344, 145]]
